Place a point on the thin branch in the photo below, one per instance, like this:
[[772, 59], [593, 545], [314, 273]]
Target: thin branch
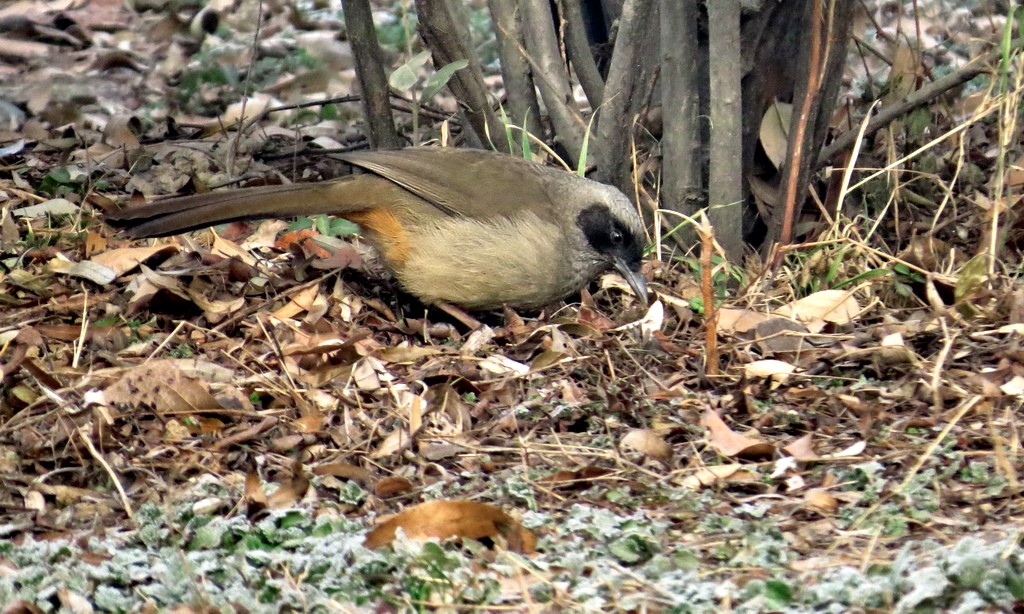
[[682, 185], [628, 68], [577, 47], [370, 70], [515, 68], [550, 75], [794, 172], [446, 37], [916, 99], [725, 177]]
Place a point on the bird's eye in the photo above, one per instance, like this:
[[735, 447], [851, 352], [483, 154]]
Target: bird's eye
[[616, 237]]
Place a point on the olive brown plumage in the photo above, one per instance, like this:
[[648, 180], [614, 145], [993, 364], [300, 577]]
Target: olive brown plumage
[[473, 228]]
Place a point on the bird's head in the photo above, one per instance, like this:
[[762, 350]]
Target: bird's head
[[611, 234]]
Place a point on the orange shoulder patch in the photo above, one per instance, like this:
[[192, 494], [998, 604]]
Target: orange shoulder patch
[[385, 231]]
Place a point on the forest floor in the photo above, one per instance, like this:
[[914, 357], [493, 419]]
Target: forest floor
[[242, 420]]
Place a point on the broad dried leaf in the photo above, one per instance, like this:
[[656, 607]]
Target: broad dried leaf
[[739, 320], [1014, 387], [776, 369], [502, 365], [802, 448], [395, 442], [54, 206], [835, 306], [774, 132], [215, 310], [310, 423], [903, 75], [462, 519], [405, 354], [854, 449], [730, 443], [392, 486], [345, 471], [714, 474], [254, 496], [229, 249], [97, 274], [820, 501], [777, 335], [579, 479], [160, 385], [1015, 174], [303, 301], [648, 443]]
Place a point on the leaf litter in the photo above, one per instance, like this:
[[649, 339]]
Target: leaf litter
[[235, 420]]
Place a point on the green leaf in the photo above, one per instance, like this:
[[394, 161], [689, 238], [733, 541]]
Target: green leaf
[[303, 223], [440, 78], [206, 537], [632, 549], [527, 152], [581, 168], [340, 227], [918, 121], [405, 75], [778, 593], [508, 128], [697, 305], [323, 224], [971, 277], [863, 276], [833, 269], [293, 518]]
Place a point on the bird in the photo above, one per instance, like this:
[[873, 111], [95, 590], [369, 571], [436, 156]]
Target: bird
[[465, 227]]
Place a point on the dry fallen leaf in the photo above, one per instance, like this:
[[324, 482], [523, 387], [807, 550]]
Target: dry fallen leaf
[[801, 449], [392, 486], [444, 519], [774, 133], [345, 471], [160, 385], [739, 320], [834, 306], [581, 478], [302, 301], [818, 500], [648, 443], [730, 443], [778, 370], [709, 476], [854, 449]]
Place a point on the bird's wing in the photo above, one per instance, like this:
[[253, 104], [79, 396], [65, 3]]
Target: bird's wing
[[462, 182]]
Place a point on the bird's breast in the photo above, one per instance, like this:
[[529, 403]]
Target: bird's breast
[[519, 261]]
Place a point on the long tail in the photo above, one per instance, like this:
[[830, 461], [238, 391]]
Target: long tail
[[176, 215]]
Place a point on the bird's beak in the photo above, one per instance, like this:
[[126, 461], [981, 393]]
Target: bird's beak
[[634, 278]]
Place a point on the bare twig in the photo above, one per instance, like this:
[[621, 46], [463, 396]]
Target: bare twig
[[916, 99], [523, 107], [233, 143], [550, 75], [577, 47], [682, 186], [446, 37], [110, 471], [725, 177], [629, 67], [370, 70], [707, 250], [794, 174]]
